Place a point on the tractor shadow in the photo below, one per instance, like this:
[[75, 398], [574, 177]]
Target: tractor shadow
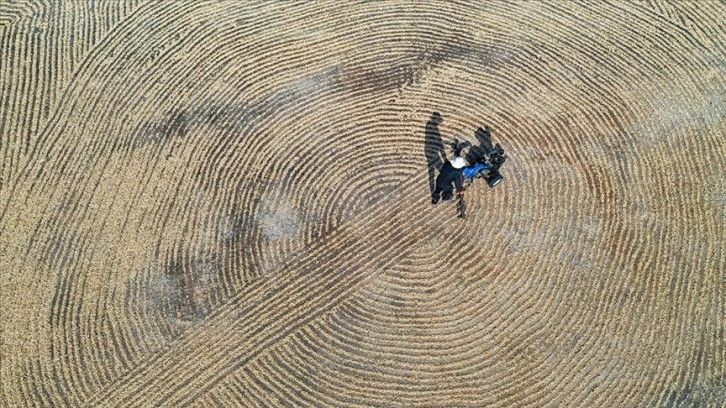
[[477, 153]]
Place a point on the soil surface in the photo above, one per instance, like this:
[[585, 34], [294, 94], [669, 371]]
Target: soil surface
[[228, 204]]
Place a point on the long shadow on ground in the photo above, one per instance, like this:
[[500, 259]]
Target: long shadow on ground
[[434, 148]]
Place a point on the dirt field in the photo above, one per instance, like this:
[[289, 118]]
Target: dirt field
[[226, 203]]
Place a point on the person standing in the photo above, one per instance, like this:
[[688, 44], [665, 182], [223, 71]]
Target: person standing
[[449, 178]]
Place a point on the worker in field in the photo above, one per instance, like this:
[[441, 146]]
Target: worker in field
[[449, 178]]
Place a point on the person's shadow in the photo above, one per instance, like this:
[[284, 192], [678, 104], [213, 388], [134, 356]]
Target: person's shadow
[[434, 148]]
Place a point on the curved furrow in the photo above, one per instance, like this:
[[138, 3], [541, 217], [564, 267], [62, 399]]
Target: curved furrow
[[229, 204]]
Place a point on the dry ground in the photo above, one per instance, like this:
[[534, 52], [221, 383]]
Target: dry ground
[[225, 203]]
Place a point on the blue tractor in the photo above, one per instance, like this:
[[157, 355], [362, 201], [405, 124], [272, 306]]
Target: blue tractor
[[487, 168]]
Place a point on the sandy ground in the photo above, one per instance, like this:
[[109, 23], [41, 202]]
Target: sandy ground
[[226, 203]]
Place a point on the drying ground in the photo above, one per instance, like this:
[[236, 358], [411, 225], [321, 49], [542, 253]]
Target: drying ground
[[227, 203]]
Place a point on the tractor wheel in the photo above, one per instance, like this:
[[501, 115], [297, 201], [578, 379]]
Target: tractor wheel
[[494, 178]]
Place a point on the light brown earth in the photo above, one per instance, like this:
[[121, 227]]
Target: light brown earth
[[226, 203]]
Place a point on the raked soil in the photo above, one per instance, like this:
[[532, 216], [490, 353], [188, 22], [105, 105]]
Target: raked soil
[[227, 203]]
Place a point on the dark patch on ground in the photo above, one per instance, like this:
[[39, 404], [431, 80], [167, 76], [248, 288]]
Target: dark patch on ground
[[193, 280], [179, 123], [450, 50], [356, 77], [359, 78], [174, 124], [599, 183], [699, 395], [699, 392], [183, 292], [184, 305]]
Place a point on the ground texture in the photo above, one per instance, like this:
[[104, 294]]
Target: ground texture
[[226, 203]]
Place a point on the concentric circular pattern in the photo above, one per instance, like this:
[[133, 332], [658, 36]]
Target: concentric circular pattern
[[224, 203]]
